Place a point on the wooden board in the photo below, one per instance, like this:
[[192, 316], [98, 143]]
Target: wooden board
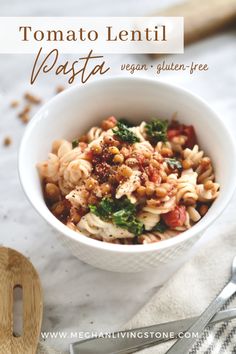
[[16, 270], [202, 18]]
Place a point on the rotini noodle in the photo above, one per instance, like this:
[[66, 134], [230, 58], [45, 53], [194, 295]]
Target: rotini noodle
[[186, 187], [148, 219], [194, 155], [205, 171], [139, 131], [50, 169], [151, 237], [208, 195], [94, 133], [92, 224]]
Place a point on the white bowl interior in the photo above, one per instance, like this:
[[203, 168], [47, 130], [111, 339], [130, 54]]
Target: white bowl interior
[[74, 111]]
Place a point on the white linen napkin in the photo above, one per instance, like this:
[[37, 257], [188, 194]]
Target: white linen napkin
[[190, 291], [44, 349]]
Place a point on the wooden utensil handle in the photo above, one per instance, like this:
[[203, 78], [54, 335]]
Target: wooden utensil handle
[[16, 270], [202, 18]]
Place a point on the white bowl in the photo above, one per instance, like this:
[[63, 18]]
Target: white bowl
[[75, 110]]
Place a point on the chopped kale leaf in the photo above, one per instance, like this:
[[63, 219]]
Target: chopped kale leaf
[[75, 143], [124, 133], [119, 211], [157, 130], [174, 164], [160, 227]]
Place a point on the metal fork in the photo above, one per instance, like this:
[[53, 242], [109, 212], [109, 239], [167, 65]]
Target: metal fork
[[183, 345], [122, 343]]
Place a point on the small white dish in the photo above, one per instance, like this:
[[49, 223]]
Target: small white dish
[[75, 110]]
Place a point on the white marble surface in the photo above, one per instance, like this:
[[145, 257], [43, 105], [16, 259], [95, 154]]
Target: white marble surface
[[77, 296]]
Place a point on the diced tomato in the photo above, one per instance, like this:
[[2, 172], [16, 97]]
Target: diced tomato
[[112, 119], [140, 159], [153, 174], [155, 177], [189, 131], [109, 123], [89, 155], [171, 133], [83, 146], [174, 124], [176, 217]]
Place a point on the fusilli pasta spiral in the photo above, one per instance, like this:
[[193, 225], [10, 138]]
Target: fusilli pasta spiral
[[92, 224], [139, 131], [186, 187], [194, 155]]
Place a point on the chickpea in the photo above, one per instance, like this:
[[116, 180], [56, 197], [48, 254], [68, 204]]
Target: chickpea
[[15, 103], [119, 158], [25, 118], [92, 199], [90, 184], [83, 146], [154, 163], [166, 186], [55, 146], [163, 175], [145, 162], [109, 123], [105, 188], [205, 162], [83, 139], [181, 139], [84, 194], [208, 185], [161, 192], [52, 192], [112, 179], [150, 189], [125, 171], [187, 163], [153, 203], [147, 154], [131, 162], [113, 150], [96, 149], [75, 215], [141, 191], [165, 151], [109, 140], [58, 209], [190, 201], [7, 141], [203, 209], [125, 151]]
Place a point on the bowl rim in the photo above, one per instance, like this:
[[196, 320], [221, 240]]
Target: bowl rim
[[139, 248]]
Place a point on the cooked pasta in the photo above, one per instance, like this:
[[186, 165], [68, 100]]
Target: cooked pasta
[[152, 237], [50, 169], [194, 156], [186, 187], [139, 131], [92, 224], [94, 133], [148, 219], [127, 184]]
